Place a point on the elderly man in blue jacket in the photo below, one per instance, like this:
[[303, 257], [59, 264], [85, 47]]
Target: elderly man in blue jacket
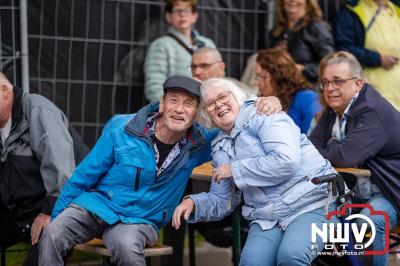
[[120, 192]]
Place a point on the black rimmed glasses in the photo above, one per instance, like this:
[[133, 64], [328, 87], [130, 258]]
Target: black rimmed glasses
[[336, 83], [222, 98]]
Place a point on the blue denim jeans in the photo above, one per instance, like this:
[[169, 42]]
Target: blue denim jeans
[[289, 247], [380, 203], [76, 225]]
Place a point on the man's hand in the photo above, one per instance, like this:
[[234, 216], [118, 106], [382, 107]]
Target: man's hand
[[388, 61], [224, 171], [40, 222], [268, 105], [184, 209]]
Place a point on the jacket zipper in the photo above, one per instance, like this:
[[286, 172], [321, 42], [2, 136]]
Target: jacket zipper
[[137, 178], [294, 184]]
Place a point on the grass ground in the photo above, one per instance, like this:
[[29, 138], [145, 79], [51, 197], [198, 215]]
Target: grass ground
[[15, 255]]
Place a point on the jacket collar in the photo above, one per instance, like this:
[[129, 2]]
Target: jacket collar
[[194, 35], [360, 101], [138, 124]]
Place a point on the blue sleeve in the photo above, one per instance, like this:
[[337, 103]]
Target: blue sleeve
[[96, 164], [304, 107], [350, 36], [222, 198]]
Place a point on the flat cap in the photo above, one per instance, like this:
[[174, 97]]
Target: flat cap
[[185, 83]]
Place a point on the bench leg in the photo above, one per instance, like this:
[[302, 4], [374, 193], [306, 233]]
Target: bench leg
[[192, 251], [236, 248], [2, 256]]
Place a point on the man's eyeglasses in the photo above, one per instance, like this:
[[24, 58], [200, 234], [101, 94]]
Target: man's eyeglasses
[[202, 66], [336, 83], [222, 98], [180, 12]]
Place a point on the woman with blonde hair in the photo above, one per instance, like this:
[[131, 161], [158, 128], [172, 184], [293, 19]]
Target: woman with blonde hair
[[301, 31]]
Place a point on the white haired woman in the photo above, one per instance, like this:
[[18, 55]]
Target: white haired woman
[[271, 163]]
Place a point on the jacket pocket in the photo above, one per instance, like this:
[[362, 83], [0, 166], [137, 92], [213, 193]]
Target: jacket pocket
[[133, 170], [137, 178], [302, 194]]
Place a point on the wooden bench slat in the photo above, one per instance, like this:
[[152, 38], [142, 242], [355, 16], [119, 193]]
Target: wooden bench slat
[[96, 246]]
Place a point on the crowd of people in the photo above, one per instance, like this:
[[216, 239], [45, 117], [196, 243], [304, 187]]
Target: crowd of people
[[309, 109]]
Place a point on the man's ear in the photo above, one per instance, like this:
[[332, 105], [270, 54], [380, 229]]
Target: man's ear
[[195, 17], [161, 106], [3, 89], [222, 66], [359, 85]]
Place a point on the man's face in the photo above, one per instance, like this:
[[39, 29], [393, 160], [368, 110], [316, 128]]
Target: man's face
[[339, 86], [179, 110], [205, 66], [182, 17]]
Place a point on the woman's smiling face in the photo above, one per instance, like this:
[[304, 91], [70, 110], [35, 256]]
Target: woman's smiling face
[[222, 107]]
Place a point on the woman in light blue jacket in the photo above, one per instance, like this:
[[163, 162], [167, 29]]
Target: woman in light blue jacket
[[270, 162]]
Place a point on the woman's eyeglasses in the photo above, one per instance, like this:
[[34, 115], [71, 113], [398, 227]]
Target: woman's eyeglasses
[[222, 98]]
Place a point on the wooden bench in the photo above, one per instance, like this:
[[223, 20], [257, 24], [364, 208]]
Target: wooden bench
[[96, 246]]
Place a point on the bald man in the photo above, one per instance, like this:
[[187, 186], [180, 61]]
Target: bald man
[[207, 63]]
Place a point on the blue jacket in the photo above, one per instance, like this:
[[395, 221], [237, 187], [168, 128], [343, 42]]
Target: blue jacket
[[273, 175], [117, 181], [304, 106], [349, 35]]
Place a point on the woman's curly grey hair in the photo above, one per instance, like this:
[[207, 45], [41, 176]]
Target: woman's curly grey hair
[[240, 96]]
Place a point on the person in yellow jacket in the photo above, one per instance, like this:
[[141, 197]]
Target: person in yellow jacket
[[370, 29]]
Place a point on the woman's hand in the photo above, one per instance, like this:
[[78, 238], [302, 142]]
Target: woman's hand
[[224, 171], [184, 209], [268, 105]]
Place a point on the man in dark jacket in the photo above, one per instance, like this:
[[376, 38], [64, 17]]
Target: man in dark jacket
[[359, 128], [36, 158]]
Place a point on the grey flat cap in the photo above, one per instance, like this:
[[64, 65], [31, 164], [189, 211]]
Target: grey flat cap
[[185, 83]]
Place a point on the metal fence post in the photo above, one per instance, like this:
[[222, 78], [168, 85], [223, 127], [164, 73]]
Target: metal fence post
[[23, 16]]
